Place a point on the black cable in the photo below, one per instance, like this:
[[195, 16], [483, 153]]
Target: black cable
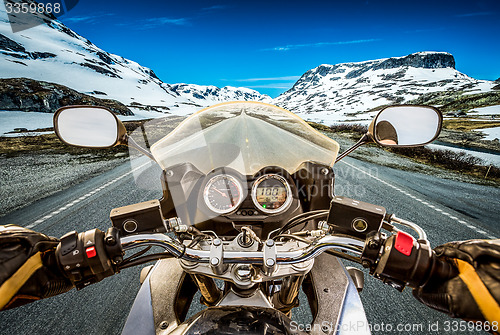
[[295, 237], [195, 241], [300, 217], [303, 215], [293, 223], [295, 218], [144, 259], [137, 254], [343, 255], [329, 251]]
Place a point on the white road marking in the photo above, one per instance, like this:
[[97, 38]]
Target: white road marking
[[467, 224], [74, 202]]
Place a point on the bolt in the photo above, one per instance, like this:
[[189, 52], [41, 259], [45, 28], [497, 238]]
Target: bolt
[[323, 225], [324, 171], [217, 242], [270, 243], [164, 325], [270, 262], [243, 272], [110, 240], [170, 173], [325, 329], [326, 290], [214, 261], [373, 245]]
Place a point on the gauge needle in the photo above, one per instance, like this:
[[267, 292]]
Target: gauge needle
[[221, 193]]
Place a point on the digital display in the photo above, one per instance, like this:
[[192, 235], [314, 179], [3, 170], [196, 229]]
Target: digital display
[[271, 197], [271, 193]]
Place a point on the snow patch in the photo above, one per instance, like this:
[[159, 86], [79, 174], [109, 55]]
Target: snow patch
[[490, 110], [491, 133]]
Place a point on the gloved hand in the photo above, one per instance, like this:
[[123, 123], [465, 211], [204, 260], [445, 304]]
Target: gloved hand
[[474, 294], [28, 268]]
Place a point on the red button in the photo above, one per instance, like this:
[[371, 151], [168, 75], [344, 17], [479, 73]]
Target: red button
[[90, 251], [404, 243]]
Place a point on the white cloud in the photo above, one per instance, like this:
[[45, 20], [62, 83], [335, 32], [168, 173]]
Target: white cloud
[[319, 44], [290, 78], [274, 85], [475, 14], [86, 19]]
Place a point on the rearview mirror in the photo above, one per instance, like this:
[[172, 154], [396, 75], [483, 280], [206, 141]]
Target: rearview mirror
[[88, 126], [406, 126]]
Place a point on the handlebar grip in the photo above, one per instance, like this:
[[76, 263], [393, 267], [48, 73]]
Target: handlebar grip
[[441, 271], [404, 261]]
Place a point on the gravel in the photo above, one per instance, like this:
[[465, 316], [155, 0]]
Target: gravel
[[377, 155], [29, 177]]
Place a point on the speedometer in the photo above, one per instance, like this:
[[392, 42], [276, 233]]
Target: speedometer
[[223, 194], [271, 193]]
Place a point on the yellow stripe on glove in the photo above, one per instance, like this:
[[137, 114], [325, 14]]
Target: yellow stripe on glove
[[12, 285], [487, 304]]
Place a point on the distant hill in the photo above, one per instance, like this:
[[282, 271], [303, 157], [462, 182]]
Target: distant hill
[[352, 91]]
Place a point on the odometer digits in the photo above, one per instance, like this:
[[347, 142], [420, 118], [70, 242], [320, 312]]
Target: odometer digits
[[271, 193]]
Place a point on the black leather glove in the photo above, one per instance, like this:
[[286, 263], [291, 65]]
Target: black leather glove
[[28, 268], [474, 294]]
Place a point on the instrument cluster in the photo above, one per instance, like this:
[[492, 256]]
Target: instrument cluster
[[268, 194]]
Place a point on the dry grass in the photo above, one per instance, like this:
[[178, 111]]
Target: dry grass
[[468, 125], [49, 143], [349, 128], [451, 160], [447, 159]]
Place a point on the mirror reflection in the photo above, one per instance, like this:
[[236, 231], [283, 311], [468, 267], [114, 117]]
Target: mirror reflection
[[87, 127], [407, 125]]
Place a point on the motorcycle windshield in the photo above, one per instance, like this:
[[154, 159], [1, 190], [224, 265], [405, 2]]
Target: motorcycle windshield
[[244, 136]]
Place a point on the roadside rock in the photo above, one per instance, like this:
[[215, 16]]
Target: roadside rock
[[27, 95]]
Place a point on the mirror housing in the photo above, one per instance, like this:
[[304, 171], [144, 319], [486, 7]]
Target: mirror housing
[[401, 126], [406, 126], [89, 127]]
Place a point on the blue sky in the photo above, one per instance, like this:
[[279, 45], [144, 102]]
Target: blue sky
[[268, 45]]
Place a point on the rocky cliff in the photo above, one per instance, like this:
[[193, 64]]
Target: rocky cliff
[[28, 95]]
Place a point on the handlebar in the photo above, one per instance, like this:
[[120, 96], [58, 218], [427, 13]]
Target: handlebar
[[399, 260], [388, 259], [178, 250]]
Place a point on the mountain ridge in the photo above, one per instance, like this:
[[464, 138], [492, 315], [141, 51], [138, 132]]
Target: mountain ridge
[[51, 52], [351, 91]]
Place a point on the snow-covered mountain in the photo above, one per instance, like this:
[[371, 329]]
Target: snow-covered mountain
[[51, 52], [347, 91], [201, 94]]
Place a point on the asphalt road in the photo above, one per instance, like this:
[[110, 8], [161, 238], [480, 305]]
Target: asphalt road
[[447, 210]]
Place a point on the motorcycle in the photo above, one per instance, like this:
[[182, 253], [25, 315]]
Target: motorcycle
[[248, 219]]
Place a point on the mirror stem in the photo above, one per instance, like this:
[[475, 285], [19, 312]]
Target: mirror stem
[[363, 140], [129, 141]]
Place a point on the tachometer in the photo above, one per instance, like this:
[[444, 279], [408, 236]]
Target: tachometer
[[223, 194], [271, 193]]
